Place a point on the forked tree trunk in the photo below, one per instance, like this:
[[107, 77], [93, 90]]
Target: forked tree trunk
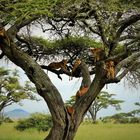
[[64, 125], [68, 129]]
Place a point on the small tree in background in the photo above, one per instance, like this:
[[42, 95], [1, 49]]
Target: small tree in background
[[103, 101], [11, 90]]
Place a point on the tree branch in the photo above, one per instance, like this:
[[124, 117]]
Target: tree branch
[[57, 72], [125, 23], [83, 104], [90, 28], [126, 61], [123, 74], [12, 31], [122, 26]]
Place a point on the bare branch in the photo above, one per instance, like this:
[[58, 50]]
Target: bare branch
[[125, 23], [128, 60], [18, 25], [57, 72], [124, 73], [90, 28]]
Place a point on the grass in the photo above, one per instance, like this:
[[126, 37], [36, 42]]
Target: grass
[[109, 132], [85, 132], [8, 132]]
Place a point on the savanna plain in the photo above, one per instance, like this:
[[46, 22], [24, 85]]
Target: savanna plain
[[85, 132]]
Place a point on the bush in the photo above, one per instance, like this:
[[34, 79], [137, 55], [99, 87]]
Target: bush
[[107, 119], [135, 120], [8, 120], [39, 121], [122, 120]]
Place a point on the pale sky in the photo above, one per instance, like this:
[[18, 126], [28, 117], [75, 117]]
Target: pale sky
[[68, 88]]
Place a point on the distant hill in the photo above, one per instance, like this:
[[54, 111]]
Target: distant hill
[[17, 113]]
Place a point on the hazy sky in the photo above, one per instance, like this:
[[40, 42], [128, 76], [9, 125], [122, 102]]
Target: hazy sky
[[68, 88]]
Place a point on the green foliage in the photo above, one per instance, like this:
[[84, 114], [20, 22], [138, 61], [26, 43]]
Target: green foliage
[[103, 101], [135, 120], [4, 119], [129, 117], [71, 101], [8, 120], [18, 10], [43, 42], [130, 3], [66, 47], [11, 91], [122, 120], [72, 42], [39, 121], [77, 42]]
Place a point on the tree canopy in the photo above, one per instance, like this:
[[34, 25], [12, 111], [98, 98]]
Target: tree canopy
[[73, 30]]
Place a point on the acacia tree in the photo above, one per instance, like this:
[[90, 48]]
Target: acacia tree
[[11, 91], [103, 101], [112, 22]]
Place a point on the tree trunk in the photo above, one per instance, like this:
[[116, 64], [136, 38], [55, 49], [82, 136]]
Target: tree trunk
[[67, 132], [93, 114], [94, 117], [64, 125], [2, 106]]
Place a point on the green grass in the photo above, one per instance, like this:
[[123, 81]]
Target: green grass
[[85, 132], [109, 132], [8, 132]]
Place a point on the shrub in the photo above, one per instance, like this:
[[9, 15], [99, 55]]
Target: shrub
[[135, 120], [39, 121], [122, 120], [8, 120]]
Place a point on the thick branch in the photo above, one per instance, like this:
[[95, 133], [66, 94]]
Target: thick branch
[[83, 104], [123, 74], [85, 75], [119, 56], [126, 61], [125, 37], [26, 22], [90, 28], [57, 72], [122, 26], [17, 26], [125, 23]]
